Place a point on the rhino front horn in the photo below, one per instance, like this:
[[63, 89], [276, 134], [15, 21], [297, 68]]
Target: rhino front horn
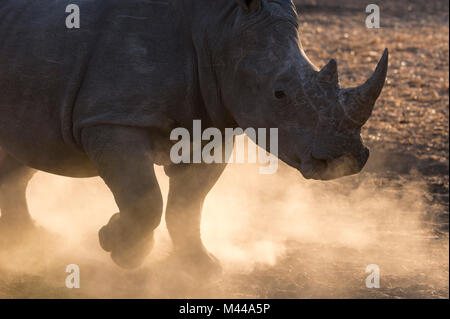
[[359, 101]]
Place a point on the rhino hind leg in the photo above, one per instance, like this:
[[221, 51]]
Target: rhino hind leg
[[122, 157], [189, 185], [14, 178]]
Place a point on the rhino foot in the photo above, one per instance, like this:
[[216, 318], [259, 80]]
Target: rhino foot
[[128, 250], [201, 264]]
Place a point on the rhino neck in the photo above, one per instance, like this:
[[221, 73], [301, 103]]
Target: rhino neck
[[211, 25]]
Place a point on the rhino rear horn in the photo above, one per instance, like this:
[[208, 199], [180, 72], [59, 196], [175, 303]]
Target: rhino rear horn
[[359, 101], [329, 73]]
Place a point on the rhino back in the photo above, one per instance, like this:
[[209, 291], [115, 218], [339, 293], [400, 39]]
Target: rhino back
[[129, 63]]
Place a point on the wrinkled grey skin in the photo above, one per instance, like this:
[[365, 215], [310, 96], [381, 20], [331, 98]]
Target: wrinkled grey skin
[[101, 101]]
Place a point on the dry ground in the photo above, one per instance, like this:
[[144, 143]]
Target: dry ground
[[302, 239]]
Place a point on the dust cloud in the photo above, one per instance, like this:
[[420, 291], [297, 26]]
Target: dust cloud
[[276, 236]]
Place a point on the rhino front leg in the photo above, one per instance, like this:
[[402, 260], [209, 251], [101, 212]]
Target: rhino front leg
[[189, 185], [122, 156]]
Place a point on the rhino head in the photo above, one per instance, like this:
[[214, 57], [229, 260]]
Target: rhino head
[[269, 82]]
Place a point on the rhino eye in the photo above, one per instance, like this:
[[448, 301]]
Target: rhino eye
[[280, 94]]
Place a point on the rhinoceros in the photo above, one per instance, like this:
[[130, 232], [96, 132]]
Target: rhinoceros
[[102, 99]]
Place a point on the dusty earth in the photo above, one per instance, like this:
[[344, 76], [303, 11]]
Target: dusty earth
[[281, 236]]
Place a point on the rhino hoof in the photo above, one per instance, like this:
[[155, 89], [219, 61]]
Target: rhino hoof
[[132, 257], [202, 265], [212, 267], [127, 251], [106, 236]]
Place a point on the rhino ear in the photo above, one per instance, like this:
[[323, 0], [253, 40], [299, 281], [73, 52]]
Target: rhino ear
[[249, 5]]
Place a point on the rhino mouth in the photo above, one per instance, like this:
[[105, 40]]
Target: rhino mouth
[[316, 168], [328, 169]]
